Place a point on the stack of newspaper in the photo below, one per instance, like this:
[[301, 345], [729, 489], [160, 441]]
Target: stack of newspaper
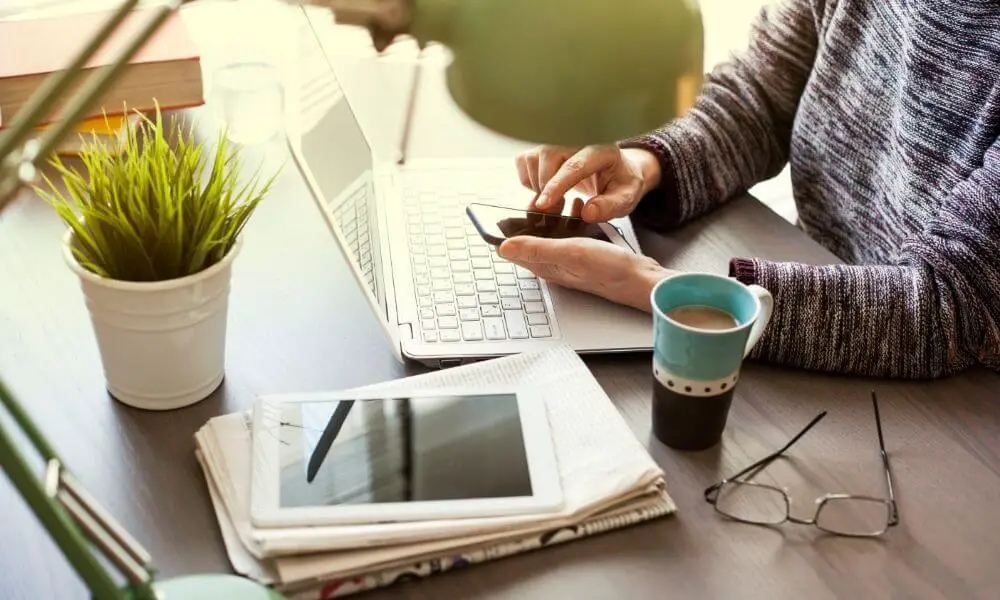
[[609, 481]]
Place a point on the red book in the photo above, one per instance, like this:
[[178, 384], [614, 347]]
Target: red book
[[165, 71]]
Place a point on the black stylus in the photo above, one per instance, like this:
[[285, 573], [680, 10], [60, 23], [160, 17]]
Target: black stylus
[[326, 440]]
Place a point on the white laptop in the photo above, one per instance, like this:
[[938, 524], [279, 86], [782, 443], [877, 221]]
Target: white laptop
[[441, 293]]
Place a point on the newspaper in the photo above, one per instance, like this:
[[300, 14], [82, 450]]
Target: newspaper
[[604, 471]]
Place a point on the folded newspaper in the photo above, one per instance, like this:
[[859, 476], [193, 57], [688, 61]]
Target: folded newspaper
[[609, 481]]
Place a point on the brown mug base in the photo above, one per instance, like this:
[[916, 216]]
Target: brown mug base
[[688, 422]]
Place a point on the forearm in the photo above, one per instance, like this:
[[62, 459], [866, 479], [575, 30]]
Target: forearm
[[934, 313], [738, 131], [854, 320]]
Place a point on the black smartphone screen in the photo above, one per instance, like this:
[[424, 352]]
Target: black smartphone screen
[[497, 223]]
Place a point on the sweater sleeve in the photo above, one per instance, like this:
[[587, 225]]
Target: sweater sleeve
[[933, 313], [739, 129]]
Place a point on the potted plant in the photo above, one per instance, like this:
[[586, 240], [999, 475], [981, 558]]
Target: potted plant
[[154, 225]]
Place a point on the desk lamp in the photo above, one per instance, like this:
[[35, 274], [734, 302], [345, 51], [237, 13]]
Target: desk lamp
[[568, 72]]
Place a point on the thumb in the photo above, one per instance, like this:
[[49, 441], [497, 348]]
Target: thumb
[[528, 249], [609, 205]]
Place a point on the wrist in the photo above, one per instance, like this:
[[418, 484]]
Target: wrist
[[647, 274], [648, 166], [743, 270]]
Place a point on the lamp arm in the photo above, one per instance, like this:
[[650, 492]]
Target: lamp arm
[[53, 516], [96, 86], [72, 516]]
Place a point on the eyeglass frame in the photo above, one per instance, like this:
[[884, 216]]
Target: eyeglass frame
[[712, 492]]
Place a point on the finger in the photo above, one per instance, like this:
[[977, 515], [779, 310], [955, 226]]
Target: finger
[[575, 169], [553, 208], [554, 274], [540, 251], [521, 162], [549, 272], [533, 205], [577, 207], [550, 158], [537, 269], [531, 166], [526, 250]]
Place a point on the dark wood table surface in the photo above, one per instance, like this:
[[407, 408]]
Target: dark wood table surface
[[298, 322]]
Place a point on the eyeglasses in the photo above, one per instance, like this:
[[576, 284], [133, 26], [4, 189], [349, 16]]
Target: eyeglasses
[[838, 514]]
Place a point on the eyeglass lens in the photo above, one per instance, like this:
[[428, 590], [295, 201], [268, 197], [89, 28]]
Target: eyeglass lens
[[853, 515], [765, 505], [753, 503]]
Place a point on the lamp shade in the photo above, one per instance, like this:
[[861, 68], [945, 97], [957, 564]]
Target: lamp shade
[[568, 72]]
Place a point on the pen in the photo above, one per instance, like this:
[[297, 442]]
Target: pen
[[326, 440]]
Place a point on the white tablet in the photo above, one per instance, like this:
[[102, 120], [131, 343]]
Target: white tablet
[[340, 458]]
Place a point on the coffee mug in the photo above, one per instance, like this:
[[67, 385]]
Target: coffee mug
[[704, 325]]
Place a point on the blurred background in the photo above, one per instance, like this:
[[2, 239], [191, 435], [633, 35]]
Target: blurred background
[[727, 26]]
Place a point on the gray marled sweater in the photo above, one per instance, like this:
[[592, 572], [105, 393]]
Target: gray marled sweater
[[889, 113]]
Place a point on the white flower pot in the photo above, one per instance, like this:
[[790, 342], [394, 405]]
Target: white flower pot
[[162, 343]]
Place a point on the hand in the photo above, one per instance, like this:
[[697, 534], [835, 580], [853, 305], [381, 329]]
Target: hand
[[614, 179], [588, 265]]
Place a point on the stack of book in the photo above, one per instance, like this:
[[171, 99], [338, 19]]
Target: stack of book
[[608, 478], [106, 132], [166, 71]]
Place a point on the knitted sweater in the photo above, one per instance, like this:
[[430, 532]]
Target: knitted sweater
[[889, 114]]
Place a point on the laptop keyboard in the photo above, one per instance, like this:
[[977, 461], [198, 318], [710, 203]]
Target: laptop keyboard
[[464, 290], [352, 217]]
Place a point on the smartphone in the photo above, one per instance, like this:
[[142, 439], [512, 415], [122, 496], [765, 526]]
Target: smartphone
[[497, 223]]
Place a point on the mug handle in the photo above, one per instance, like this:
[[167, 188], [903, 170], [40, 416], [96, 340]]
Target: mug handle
[[766, 309]]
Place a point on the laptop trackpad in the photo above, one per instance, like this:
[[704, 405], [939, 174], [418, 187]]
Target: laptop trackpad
[[590, 323]]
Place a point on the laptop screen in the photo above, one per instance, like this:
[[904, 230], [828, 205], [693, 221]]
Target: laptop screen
[[333, 149]]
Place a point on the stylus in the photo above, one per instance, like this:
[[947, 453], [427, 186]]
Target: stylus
[[404, 143], [326, 440]]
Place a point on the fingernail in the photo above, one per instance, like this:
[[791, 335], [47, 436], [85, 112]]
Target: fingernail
[[542, 201]]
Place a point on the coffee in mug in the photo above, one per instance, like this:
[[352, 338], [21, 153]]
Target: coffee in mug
[[703, 317], [704, 325]]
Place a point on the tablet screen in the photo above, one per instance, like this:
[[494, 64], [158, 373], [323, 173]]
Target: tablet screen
[[402, 450]]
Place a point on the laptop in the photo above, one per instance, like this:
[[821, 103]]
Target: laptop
[[440, 291]]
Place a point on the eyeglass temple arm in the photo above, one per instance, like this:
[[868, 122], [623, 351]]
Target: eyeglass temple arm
[[894, 518], [712, 491]]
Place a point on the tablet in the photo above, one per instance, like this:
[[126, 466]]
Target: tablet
[[350, 458]]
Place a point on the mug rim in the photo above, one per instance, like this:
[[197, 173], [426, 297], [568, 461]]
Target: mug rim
[[658, 311]]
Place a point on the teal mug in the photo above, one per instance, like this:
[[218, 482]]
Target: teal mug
[[704, 325]]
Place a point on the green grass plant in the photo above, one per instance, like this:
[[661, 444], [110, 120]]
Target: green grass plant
[[154, 205]]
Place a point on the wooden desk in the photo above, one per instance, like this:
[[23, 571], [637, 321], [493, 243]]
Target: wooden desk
[[298, 323]]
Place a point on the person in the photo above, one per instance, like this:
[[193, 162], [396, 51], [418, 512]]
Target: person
[[888, 112]]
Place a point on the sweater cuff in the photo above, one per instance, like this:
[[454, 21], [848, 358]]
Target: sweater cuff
[[659, 209], [744, 270]]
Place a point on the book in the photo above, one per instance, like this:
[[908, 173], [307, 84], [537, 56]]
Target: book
[[165, 71], [109, 132], [608, 478]]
